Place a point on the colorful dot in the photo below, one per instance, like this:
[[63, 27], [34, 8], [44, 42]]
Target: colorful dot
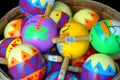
[[86, 21], [42, 30], [92, 14], [11, 34], [34, 50], [56, 14], [110, 70], [12, 62], [24, 56], [14, 25], [36, 75], [37, 4], [31, 77]]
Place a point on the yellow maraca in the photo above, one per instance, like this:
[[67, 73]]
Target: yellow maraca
[[72, 50]]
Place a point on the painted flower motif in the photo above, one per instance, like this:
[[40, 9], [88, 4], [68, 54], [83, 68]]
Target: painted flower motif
[[41, 32]]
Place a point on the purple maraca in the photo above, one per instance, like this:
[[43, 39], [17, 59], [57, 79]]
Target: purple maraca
[[39, 31]]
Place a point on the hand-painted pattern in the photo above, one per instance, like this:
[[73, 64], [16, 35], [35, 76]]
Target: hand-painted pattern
[[31, 32]]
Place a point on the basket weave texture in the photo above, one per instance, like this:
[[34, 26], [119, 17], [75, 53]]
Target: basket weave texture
[[103, 10]]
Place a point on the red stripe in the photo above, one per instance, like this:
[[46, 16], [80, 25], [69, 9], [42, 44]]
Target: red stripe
[[30, 65], [40, 21], [1, 55], [23, 70], [25, 4], [5, 45], [15, 71], [96, 77], [37, 58], [64, 19], [86, 73], [52, 69]]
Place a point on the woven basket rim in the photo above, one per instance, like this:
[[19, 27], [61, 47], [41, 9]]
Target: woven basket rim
[[102, 8], [102, 4]]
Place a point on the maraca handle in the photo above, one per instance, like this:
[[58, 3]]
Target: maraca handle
[[63, 70], [3, 61], [53, 58], [3, 75], [117, 77], [49, 7], [74, 69], [115, 56], [70, 39]]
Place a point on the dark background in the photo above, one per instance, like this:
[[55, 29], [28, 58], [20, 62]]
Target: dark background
[[6, 5]]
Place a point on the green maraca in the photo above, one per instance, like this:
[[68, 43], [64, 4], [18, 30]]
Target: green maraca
[[104, 37]]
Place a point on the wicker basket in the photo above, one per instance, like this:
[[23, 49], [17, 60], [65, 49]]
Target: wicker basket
[[104, 11]]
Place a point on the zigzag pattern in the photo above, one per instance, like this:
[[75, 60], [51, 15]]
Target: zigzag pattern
[[63, 20], [29, 9], [89, 75], [3, 47], [33, 65]]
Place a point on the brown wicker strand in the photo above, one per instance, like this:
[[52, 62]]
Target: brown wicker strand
[[8, 17]]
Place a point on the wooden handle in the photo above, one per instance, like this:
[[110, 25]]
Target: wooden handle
[[74, 69], [70, 39], [115, 56], [3, 75], [117, 77], [63, 70], [54, 58], [3, 61], [49, 7], [8, 17]]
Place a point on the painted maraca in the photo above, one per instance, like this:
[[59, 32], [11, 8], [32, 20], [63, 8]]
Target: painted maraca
[[39, 31], [105, 34], [60, 18], [87, 17], [98, 67], [7, 44], [26, 62], [30, 8], [72, 50], [13, 28]]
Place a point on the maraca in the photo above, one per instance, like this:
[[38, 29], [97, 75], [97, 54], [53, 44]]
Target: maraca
[[39, 30], [61, 6], [13, 29], [26, 62], [72, 50], [7, 44], [29, 8], [98, 67], [87, 17], [60, 18], [105, 34]]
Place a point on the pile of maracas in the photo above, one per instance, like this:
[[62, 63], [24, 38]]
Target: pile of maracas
[[52, 43]]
